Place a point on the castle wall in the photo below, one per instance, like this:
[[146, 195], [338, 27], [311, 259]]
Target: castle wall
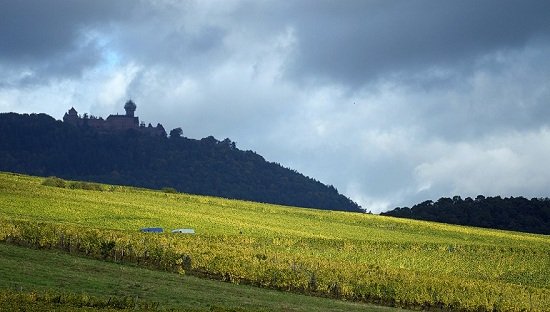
[[112, 123], [94, 123], [119, 122]]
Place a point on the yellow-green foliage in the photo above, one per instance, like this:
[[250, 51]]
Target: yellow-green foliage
[[344, 255], [19, 301]]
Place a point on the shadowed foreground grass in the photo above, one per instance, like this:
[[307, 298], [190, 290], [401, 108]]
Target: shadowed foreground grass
[[29, 270]]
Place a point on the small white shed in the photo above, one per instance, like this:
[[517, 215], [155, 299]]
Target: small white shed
[[184, 231]]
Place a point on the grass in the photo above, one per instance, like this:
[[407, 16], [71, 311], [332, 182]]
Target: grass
[[27, 270], [355, 256]]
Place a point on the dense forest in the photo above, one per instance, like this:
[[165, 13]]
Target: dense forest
[[514, 213], [37, 144]]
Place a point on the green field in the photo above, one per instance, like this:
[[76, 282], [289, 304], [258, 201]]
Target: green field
[[27, 270], [356, 257]]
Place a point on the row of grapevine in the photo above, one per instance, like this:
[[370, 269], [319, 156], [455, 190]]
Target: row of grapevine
[[52, 301], [275, 263]]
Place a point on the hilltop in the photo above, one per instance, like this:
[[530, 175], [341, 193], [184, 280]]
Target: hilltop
[[120, 151]]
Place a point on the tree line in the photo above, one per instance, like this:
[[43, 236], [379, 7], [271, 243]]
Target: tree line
[[513, 213], [37, 144]]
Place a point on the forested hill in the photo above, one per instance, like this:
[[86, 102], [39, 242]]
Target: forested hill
[[516, 214], [37, 144]]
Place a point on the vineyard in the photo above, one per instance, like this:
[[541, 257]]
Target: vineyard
[[62, 279], [351, 256]]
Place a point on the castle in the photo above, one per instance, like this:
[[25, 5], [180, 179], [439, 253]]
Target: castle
[[114, 122]]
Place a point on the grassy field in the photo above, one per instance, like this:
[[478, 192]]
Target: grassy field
[[26, 270], [356, 257]]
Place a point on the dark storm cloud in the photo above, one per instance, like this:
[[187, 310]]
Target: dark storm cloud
[[348, 42], [51, 38], [39, 29], [355, 41]]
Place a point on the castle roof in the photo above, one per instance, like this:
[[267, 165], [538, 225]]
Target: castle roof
[[72, 111], [121, 117], [130, 105]]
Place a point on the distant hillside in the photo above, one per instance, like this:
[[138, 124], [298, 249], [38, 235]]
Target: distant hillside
[[38, 144], [515, 214]]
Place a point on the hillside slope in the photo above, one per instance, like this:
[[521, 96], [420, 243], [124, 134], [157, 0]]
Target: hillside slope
[[37, 144], [61, 273], [359, 257]]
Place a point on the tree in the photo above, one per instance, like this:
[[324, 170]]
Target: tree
[[176, 133], [517, 214], [40, 145], [228, 143]]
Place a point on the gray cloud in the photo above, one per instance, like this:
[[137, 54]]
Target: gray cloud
[[393, 102], [54, 38], [356, 41]]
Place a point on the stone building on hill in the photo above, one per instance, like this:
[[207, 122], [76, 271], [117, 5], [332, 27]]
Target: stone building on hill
[[114, 122]]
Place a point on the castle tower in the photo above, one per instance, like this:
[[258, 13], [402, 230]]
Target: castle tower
[[71, 116], [73, 112], [130, 108]]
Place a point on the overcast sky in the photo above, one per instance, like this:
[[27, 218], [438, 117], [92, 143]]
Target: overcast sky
[[392, 102]]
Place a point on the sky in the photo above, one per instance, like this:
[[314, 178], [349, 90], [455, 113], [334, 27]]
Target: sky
[[393, 102]]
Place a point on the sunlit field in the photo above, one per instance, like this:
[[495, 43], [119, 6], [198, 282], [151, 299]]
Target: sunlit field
[[351, 256]]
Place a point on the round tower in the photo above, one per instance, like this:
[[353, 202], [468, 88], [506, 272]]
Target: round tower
[[130, 108]]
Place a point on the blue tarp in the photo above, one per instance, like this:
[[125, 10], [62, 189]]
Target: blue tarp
[[152, 230]]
